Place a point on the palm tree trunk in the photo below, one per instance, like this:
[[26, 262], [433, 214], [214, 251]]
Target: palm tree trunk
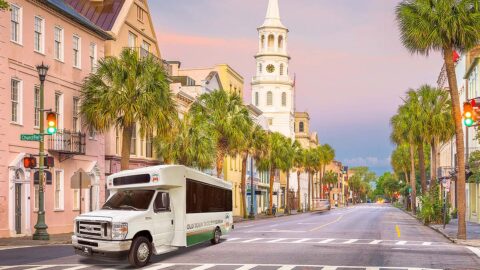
[[126, 143], [309, 190], [272, 179], [453, 87], [433, 173], [287, 203], [299, 191], [421, 165], [219, 161], [244, 185], [413, 181]]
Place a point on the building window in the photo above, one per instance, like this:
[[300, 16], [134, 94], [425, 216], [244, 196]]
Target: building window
[[263, 41], [281, 69], [16, 24], [133, 142], [269, 98], [142, 140], [140, 13], [76, 109], [145, 50], [15, 95], [59, 109], [93, 57], [270, 121], [149, 146], [58, 199], [301, 127], [36, 105], [260, 68], [132, 40], [271, 41], [38, 35], [77, 55], [280, 42], [256, 98], [92, 134], [284, 99], [58, 43]]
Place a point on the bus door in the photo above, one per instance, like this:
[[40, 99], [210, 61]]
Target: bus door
[[163, 219]]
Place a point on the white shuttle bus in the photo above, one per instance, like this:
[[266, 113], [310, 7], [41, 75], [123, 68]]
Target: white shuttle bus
[[155, 210]]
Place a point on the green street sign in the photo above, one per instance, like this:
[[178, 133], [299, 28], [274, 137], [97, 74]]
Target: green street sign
[[31, 137]]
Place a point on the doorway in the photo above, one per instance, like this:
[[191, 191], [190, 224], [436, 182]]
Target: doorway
[[18, 208]]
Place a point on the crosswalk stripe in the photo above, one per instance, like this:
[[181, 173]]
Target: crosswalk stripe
[[286, 267], [247, 267], [401, 243], [252, 240], [76, 267], [159, 266], [203, 267], [427, 243], [41, 267], [7, 267], [326, 241], [301, 240], [232, 239], [372, 268], [277, 240], [351, 241], [329, 268], [475, 250], [375, 242]]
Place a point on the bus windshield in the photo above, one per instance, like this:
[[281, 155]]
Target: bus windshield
[[136, 200]]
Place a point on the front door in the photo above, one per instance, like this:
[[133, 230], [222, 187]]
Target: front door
[[18, 208], [163, 219]]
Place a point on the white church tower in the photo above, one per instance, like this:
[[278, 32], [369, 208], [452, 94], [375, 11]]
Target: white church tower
[[272, 87]]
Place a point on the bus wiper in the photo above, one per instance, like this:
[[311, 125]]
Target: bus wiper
[[129, 206]]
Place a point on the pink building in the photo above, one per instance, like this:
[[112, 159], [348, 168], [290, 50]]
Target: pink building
[[51, 32]]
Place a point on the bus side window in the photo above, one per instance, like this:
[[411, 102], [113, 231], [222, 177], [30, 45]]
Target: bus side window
[[162, 202]]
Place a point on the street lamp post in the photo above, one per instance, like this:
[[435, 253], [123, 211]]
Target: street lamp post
[[252, 191], [41, 227]]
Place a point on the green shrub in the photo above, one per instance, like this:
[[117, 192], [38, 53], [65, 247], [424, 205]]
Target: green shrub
[[432, 208], [454, 213]]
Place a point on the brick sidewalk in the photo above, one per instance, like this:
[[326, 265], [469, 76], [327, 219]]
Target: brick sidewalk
[[450, 231], [55, 239]]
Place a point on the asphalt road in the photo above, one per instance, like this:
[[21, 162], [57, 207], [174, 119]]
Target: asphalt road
[[369, 237]]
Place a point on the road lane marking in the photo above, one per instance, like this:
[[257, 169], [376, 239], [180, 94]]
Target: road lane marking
[[302, 240], [326, 241], [351, 241], [329, 268], [41, 267], [277, 240], [427, 244], [286, 267], [232, 239], [475, 250], [324, 225], [252, 240], [401, 243], [375, 242], [372, 268], [247, 267], [397, 228], [76, 267], [203, 267], [160, 266]]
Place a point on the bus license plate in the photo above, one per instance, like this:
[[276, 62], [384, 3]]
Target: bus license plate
[[87, 251]]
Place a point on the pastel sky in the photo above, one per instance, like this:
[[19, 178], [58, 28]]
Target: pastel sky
[[351, 69]]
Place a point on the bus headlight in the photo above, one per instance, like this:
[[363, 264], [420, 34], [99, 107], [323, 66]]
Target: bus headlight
[[119, 231]]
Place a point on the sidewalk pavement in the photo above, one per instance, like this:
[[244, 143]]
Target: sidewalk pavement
[[450, 232], [26, 241]]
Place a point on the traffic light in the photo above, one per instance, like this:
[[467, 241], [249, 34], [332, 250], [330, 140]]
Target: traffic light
[[29, 162], [468, 114], [49, 162], [51, 123]]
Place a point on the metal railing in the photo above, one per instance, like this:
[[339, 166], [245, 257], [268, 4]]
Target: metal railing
[[67, 142], [142, 52]]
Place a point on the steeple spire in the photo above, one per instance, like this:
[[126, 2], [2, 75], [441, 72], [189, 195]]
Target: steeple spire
[[272, 19]]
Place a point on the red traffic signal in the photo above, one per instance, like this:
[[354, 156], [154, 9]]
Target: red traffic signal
[[29, 162], [49, 162]]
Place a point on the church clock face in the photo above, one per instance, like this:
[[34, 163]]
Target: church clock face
[[270, 68]]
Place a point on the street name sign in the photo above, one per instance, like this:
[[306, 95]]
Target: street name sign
[[31, 137]]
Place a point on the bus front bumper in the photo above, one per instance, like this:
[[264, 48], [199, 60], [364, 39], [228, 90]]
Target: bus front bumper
[[100, 248]]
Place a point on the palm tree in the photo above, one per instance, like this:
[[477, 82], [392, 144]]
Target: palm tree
[[128, 91], [446, 26], [288, 164], [299, 161], [312, 165], [4, 5], [328, 155], [188, 144], [225, 115], [254, 146], [400, 160], [437, 108]]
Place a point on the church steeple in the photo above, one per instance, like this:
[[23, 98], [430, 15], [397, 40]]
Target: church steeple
[[272, 19]]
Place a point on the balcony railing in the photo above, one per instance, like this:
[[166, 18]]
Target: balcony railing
[[67, 142], [142, 52]]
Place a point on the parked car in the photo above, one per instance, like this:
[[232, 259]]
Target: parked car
[[321, 205]]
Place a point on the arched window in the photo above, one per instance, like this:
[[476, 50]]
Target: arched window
[[269, 98], [280, 42], [301, 127], [260, 68], [271, 40], [281, 69], [263, 41], [284, 99], [256, 98]]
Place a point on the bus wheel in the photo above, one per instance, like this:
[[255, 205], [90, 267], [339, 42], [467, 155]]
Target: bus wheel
[[140, 252], [216, 236]]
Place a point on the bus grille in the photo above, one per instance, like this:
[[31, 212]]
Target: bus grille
[[92, 229]]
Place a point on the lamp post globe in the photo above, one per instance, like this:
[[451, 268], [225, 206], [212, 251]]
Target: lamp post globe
[[42, 72]]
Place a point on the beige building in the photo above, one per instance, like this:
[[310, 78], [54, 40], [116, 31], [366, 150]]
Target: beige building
[[130, 23]]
